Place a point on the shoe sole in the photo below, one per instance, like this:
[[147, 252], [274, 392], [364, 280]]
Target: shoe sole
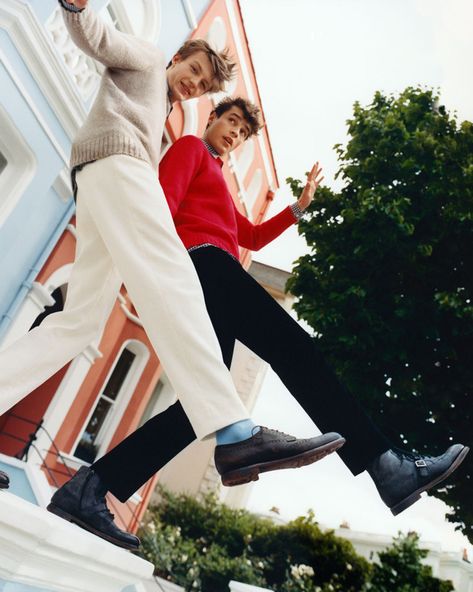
[[4, 485], [415, 496], [71, 518], [251, 473]]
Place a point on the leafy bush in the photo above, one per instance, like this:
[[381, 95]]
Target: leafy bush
[[202, 545]]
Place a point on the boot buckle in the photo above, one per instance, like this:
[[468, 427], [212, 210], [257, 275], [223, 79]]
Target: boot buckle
[[420, 463]]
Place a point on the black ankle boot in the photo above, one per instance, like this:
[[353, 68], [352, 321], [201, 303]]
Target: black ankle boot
[[401, 477], [82, 501]]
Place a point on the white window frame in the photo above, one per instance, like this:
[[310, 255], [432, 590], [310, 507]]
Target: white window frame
[[122, 400], [253, 190]]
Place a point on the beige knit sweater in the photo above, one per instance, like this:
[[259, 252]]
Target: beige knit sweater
[[128, 115]]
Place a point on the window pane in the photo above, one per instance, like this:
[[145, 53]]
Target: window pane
[[119, 373], [3, 162], [87, 448]]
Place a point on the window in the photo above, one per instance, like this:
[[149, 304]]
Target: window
[[162, 397], [92, 436]]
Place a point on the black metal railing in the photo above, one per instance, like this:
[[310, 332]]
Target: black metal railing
[[28, 444]]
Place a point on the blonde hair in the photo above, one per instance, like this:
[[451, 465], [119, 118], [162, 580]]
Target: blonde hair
[[223, 67]]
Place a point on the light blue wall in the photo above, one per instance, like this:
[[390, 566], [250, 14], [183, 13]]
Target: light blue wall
[[175, 27], [19, 482], [29, 234], [26, 235], [17, 587]]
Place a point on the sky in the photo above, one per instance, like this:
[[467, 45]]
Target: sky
[[313, 60]]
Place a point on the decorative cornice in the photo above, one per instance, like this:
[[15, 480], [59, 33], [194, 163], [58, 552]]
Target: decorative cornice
[[44, 62]]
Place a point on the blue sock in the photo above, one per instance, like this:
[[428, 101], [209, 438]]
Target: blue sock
[[236, 432]]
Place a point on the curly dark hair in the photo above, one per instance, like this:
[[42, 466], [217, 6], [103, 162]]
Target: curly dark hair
[[251, 112]]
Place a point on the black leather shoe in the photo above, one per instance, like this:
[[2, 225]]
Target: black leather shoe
[[401, 477], [269, 450], [82, 501], [4, 480]]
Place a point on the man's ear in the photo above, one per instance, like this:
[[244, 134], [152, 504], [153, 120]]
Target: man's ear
[[176, 58], [211, 119]]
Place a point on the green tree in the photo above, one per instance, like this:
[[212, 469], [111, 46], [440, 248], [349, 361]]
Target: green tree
[[203, 545], [388, 283], [400, 569]]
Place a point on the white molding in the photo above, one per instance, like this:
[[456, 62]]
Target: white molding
[[59, 277], [151, 27], [245, 159], [247, 80], [129, 315], [267, 167], [44, 551], [63, 398], [191, 20], [72, 229], [62, 185], [44, 62], [40, 296], [254, 189], [20, 169], [217, 34], [92, 353], [71, 461], [34, 109]]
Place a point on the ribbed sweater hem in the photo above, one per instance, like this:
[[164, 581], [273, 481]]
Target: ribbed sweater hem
[[97, 148]]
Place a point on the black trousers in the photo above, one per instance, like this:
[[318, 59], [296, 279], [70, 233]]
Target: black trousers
[[240, 308]]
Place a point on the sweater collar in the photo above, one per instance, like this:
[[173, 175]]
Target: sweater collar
[[213, 152], [169, 106]]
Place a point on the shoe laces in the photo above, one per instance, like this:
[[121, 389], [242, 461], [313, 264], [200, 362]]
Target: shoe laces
[[261, 428]]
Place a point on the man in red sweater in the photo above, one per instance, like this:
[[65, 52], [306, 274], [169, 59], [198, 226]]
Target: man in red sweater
[[212, 228]]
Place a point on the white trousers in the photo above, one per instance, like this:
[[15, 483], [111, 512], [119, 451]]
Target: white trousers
[[125, 232]]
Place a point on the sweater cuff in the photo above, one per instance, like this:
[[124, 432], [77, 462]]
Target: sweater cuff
[[297, 212], [70, 7]]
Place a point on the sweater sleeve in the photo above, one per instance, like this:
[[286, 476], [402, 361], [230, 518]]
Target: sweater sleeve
[[255, 236], [178, 167], [106, 44]]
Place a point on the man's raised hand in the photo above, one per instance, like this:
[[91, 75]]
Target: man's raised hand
[[313, 181]]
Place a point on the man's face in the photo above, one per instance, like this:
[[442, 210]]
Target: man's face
[[227, 132], [190, 77]]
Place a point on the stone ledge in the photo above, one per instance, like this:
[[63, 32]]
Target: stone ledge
[[41, 550]]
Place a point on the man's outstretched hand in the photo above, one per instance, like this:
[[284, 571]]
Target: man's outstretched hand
[[313, 181]]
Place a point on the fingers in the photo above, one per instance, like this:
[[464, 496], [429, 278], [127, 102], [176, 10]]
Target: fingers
[[315, 172]]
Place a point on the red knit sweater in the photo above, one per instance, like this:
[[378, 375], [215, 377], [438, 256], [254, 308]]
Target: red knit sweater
[[201, 205]]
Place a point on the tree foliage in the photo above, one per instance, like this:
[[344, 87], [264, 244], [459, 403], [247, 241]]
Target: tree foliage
[[400, 568], [202, 545], [388, 283]]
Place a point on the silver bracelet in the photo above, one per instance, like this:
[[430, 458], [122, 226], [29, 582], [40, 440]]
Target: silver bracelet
[[296, 210]]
